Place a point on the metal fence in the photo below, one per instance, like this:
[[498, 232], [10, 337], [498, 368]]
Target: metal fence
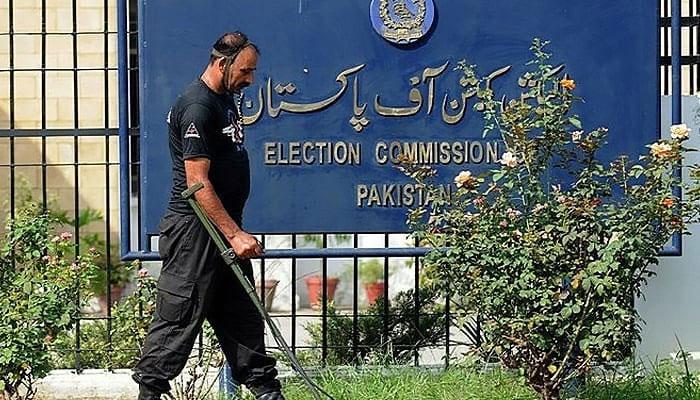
[[58, 143], [58, 125], [690, 42]]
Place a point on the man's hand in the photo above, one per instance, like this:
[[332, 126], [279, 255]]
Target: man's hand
[[245, 245]]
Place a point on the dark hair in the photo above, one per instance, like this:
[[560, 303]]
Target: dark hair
[[230, 44]]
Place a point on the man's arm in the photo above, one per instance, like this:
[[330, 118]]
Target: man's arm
[[244, 244]]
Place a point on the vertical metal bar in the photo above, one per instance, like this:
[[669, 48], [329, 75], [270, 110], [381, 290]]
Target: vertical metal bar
[[133, 104], [12, 117], [661, 5], [676, 77], [447, 330], [124, 173], [142, 238], [262, 276], [479, 336], [662, 45], [676, 60], [324, 305], [44, 201], [669, 50], [132, 92], [76, 199], [136, 26], [355, 305], [12, 109], [385, 316], [691, 68], [697, 44], [108, 233], [227, 386], [665, 33], [294, 296], [416, 300], [200, 345]]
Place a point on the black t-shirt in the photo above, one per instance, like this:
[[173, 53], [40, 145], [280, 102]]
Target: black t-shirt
[[205, 124]]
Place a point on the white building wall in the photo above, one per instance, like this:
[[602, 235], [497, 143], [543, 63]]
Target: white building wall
[[671, 306]]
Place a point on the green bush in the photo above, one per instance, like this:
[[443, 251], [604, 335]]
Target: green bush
[[130, 321], [95, 244], [551, 247], [42, 289], [404, 336], [90, 243]]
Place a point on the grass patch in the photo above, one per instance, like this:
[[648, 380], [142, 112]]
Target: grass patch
[[412, 384], [666, 380]]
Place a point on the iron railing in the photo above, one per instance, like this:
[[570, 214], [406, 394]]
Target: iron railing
[[30, 144]]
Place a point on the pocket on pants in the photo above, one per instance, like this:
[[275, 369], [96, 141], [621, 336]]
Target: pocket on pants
[[173, 233], [174, 297]]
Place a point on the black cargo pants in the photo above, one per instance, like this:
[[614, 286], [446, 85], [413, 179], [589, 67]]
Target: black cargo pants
[[195, 284]]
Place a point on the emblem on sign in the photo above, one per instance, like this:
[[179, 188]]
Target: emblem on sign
[[402, 21]]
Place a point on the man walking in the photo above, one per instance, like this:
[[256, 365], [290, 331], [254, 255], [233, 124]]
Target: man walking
[[206, 146]]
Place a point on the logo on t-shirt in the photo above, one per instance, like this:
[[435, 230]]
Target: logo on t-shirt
[[234, 129], [192, 131]]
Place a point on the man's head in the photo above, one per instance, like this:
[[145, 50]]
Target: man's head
[[232, 63]]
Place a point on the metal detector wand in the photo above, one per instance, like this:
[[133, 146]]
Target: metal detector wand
[[231, 260]]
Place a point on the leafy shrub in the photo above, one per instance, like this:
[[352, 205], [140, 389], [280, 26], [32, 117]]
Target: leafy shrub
[[130, 321], [95, 244], [42, 290], [91, 244], [551, 248], [404, 335]]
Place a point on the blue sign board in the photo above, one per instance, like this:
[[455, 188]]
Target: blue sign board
[[344, 86]]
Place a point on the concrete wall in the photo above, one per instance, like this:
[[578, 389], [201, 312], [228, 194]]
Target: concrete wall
[[672, 298]]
